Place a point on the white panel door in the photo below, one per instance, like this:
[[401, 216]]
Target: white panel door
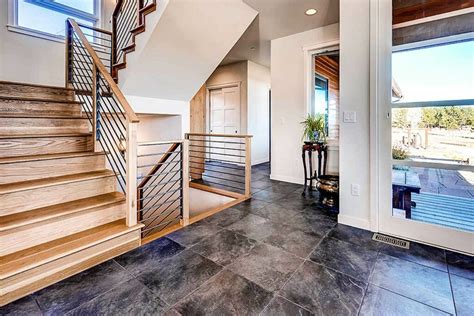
[[225, 119]]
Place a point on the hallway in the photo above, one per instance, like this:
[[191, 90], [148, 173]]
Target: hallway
[[277, 254]]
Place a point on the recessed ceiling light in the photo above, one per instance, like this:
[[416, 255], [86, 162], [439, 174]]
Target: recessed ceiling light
[[311, 12]]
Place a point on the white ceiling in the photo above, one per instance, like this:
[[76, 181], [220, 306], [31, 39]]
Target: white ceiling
[[279, 18]]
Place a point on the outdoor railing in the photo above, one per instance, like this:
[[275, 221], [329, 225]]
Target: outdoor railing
[[113, 121], [162, 190], [221, 161]]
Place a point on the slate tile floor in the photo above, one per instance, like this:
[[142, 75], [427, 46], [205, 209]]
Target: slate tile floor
[[277, 254]]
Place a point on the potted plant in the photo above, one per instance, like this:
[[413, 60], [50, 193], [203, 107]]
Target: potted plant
[[314, 129]]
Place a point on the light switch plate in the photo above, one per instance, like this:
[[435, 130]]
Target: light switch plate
[[349, 117]]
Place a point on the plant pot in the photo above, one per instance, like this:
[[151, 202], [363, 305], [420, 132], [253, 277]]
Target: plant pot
[[328, 187]]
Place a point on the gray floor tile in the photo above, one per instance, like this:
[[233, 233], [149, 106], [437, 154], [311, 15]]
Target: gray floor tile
[[463, 291], [277, 213], [295, 200], [129, 298], [345, 257], [280, 306], [76, 290], [268, 266], [179, 275], [194, 233], [461, 265], [224, 247], [378, 301], [355, 236], [226, 294], [313, 221], [23, 307], [292, 240], [227, 217], [418, 253], [324, 291], [148, 256], [253, 226], [268, 196], [251, 204], [420, 283]]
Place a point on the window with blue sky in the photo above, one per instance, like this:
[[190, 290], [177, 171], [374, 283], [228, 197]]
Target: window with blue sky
[[49, 16], [436, 73]]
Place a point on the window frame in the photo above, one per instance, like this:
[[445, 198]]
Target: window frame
[[13, 26], [318, 76], [431, 43]]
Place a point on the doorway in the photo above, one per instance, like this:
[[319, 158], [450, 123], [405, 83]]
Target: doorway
[[224, 118]]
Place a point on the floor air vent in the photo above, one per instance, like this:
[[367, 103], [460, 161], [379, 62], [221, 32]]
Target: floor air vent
[[391, 241]]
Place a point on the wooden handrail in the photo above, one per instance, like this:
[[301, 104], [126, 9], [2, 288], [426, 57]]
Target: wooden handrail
[[220, 135], [130, 114]]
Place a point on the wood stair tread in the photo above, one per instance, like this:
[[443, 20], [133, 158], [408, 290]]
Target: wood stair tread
[[35, 256], [39, 135], [30, 99], [33, 184], [35, 85], [29, 158], [46, 213], [44, 116]]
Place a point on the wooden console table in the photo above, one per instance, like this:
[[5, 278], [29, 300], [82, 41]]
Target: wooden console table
[[322, 150]]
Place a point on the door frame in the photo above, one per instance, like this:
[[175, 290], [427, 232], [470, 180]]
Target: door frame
[[381, 218], [209, 88]]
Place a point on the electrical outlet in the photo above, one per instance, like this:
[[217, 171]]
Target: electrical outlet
[[355, 189], [349, 116]]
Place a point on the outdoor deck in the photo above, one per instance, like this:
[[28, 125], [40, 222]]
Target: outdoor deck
[[452, 211]]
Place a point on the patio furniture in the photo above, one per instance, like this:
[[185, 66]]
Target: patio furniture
[[404, 183]]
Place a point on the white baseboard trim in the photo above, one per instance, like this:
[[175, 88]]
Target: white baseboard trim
[[354, 221], [287, 179]]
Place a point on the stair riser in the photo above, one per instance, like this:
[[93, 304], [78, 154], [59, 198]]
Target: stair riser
[[49, 273], [16, 147], [38, 233], [38, 108], [21, 125], [32, 170], [19, 90], [22, 201]]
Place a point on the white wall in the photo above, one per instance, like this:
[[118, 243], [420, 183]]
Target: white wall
[[258, 122], [158, 128], [288, 101], [29, 59], [142, 105], [354, 96], [185, 45]]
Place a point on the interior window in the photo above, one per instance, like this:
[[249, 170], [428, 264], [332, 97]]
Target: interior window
[[49, 16], [321, 97]]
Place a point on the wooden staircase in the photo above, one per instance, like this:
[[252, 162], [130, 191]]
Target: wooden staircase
[[125, 38], [60, 211]]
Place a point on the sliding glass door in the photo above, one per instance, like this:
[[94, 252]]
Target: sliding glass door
[[432, 144]]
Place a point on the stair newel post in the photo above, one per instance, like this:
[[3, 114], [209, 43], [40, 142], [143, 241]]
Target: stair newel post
[[185, 182], [248, 165], [131, 175], [69, 57], [95, 109]]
